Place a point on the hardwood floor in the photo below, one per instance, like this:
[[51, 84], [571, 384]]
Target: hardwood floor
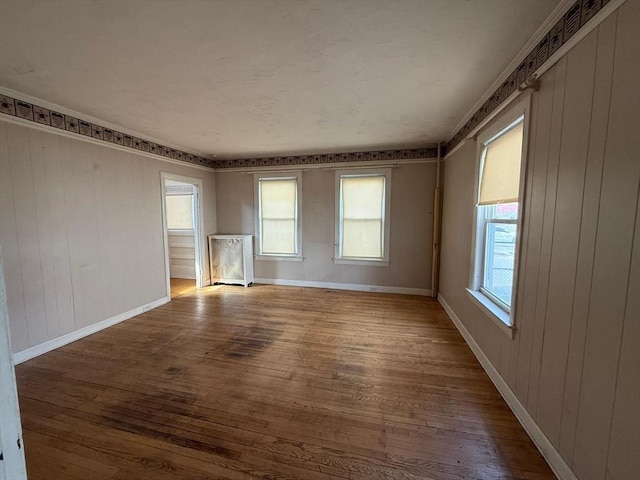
[[180, 286], [272, 382]]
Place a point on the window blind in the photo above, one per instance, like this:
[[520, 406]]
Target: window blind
[[278, 216], [179, 212], [500, 182], [362, 216]]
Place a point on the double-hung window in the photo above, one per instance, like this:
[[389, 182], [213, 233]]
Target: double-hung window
[[277, 199], [362, 216], [497, 212]]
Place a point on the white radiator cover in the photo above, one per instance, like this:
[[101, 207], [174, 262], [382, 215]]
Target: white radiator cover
[[231, 259]]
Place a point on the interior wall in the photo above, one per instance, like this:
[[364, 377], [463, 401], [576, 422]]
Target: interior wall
[[182, 255], [574, 362], [410, 236], [81, 231]]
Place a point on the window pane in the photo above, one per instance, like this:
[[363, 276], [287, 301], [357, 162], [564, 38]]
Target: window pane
[[179, 212], [278, 216], [278, 236], [499, 260], [501, 211], [362, 238], [362, 197], [505, 211]]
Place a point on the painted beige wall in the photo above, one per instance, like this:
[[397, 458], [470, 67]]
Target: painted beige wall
[[410, 237], [575, 360], [81, 231]]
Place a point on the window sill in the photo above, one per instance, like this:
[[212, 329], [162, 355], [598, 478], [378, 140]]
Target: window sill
[[280, 258], [362, 262], [493, 311]]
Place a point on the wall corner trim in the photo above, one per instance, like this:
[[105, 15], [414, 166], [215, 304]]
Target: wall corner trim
[[356, 287], [548, 451], [37, 350]]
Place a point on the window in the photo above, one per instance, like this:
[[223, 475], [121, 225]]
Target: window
[[180, 212], [498, 259], [362, 216], [277, 216], [497, 213]]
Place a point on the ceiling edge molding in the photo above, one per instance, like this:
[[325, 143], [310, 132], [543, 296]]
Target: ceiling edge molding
[[328, 158], [332, 166], [543, 30], [559, 28], [46, 114], [82, 138], [98, 121]]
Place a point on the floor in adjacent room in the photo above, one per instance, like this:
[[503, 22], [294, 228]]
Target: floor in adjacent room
[[272, 382], [180, 286]]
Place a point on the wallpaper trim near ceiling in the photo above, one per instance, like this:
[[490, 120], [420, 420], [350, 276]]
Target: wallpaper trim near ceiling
[[573, 20], [51, 118], [410, 153]]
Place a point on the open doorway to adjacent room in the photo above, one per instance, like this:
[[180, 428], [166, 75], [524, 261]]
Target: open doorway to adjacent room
[[182, 214]]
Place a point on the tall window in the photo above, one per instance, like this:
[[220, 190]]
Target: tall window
[[277, 216], [362, 216], [497, 216]]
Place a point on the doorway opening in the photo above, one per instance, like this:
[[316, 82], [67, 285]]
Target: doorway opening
[[182, 225]]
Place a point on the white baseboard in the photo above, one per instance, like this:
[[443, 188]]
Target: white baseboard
[[345, 286], [548, 451], [31, 352]]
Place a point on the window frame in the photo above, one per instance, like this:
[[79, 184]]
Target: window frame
[[386, 220], [176, 191], [289, 175], [502, 315], [483, 224]]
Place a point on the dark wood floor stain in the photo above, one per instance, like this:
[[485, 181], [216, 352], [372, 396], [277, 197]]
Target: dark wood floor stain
[[276, 383], [248, 341]]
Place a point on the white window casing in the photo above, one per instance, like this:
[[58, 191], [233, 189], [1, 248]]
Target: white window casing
[[498, 213], [362, 216], [277, 200]]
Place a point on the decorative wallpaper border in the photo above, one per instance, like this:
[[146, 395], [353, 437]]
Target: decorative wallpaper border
[[411, 153], [573, 20], [51, 118]]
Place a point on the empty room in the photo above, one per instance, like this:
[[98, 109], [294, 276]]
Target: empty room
[[320, 239]]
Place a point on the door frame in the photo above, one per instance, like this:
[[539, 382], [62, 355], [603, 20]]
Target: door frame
[[200, 257], [12, 465]]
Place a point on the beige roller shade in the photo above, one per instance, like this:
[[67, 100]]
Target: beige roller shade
[[362, 216], [500, 181]]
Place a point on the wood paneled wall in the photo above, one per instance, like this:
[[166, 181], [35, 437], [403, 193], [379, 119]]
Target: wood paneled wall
[[81, 231], [410, 235], [182, 255], [575, 360]]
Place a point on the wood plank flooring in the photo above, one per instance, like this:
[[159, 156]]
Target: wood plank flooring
[[272, 382], [180, 286]]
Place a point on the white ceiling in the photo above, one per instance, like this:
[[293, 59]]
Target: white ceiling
[[238, 78]]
